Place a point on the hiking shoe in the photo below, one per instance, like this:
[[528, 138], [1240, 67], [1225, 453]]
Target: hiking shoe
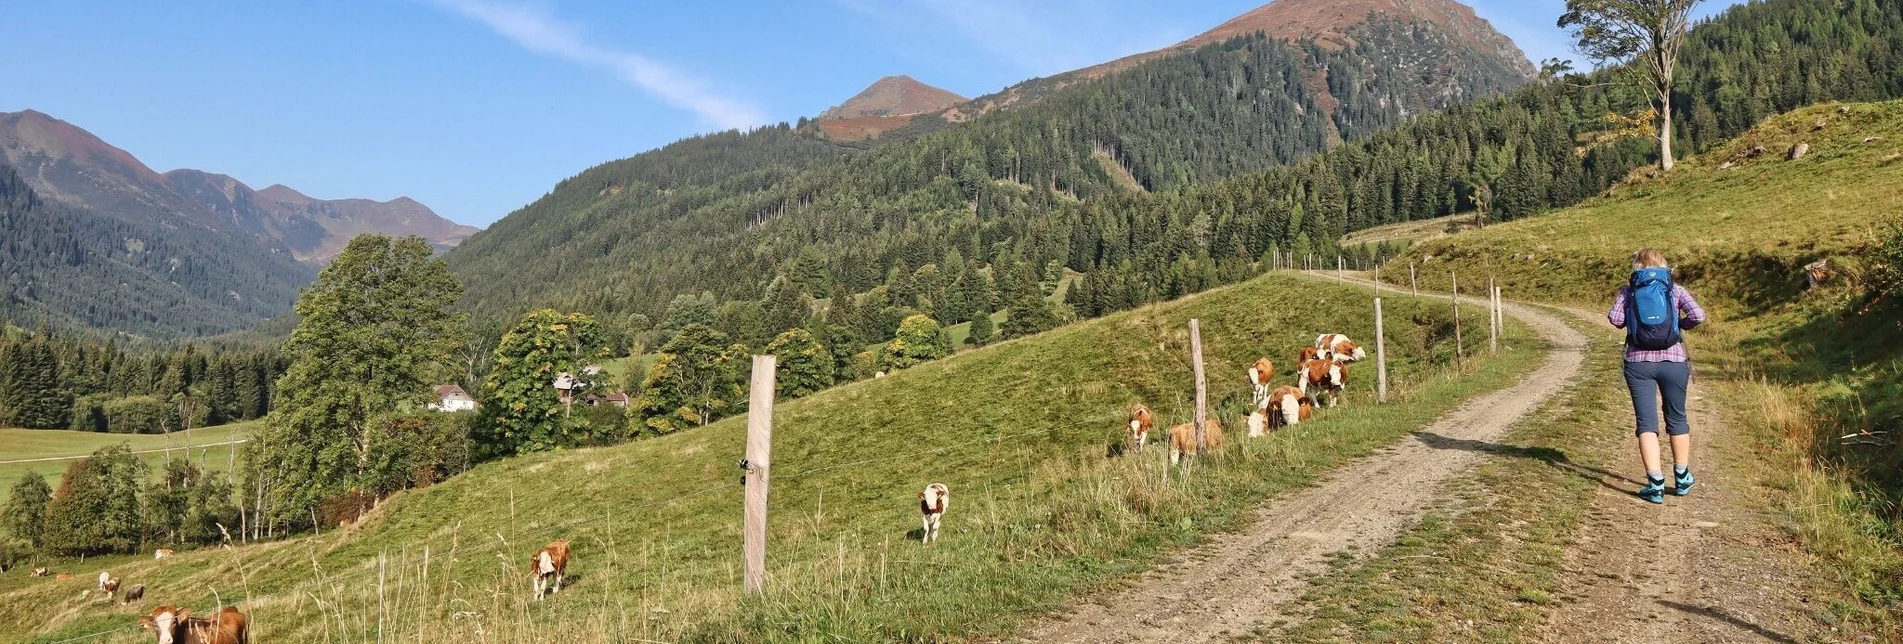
[[1682, 483], [1654, 490]]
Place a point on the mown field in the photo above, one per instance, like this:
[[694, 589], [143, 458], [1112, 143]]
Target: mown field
[[49, 451], [1816, 377], [1026, 433]]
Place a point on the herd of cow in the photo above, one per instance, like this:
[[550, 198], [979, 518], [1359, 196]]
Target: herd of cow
[[1322, 367]]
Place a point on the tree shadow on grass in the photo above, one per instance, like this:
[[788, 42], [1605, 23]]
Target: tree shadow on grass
[[1720, 615], [1550, 456]]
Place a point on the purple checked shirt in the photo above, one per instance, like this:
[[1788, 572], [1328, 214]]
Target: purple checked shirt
[[1688, 309]]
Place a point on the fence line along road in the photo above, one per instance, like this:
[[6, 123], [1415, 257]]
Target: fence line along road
[[141, 451]]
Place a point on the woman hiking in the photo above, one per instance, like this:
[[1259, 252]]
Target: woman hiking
[[1653, 311]]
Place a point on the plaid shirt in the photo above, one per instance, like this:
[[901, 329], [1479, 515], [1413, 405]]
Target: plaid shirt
[[1688, 310]]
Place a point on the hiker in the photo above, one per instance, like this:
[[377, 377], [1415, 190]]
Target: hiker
[[1653, 311]]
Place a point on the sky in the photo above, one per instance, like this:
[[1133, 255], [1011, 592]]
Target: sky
[[478, 107]]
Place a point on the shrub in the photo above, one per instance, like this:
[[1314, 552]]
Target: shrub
[[96, 509], [24, 518]]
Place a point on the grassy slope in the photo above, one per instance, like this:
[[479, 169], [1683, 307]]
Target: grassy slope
[[1041, 513], [25, 444], [1796, 371]]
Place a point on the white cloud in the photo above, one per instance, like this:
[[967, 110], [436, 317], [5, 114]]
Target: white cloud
[[541, 33]]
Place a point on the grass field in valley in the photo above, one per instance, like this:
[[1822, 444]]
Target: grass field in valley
[[50, 451], [1022, 432], [1816, 377]]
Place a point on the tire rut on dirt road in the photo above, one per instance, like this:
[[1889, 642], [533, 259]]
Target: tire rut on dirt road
[[1238, 582]]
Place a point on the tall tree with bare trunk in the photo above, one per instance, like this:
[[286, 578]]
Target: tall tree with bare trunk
[[1641, 37]]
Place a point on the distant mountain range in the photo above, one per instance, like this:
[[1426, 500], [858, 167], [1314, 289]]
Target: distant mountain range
[[97, 239], [65, 163]]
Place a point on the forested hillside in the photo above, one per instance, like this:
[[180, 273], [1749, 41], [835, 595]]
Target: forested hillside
[[615, 240], [1065, 179]]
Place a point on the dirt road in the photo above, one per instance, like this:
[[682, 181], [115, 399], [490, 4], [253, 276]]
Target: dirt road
[[1239, 582]]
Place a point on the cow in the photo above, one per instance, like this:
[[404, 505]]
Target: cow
[[111, 586], [1287, 406], [931, 504], [1183, 438], [38, 572], [64, 576], [1308, 353], [133, 594], [1260, 374], [1339, 347], [549, 564], [1141, 420], [103, 578], [177, 626], [161, 553], [1327, 375]]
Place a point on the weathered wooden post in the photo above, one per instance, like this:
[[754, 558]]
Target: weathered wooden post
[[1493, 319], [1341, 270], [1380, 355], [1411, 284], [1202, 393], [1460, 349], [758, 467], [1377, 282]]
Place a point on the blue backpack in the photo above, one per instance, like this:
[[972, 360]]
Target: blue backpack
[[1651, 313]]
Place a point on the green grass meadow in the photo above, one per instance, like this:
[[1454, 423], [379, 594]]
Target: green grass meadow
[[1026, 433], [26, 450]]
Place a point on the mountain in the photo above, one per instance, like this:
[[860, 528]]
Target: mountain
[[621, 238], [66, 163], [184, 253], [893, 96]]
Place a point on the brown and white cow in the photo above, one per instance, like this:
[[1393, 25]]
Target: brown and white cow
[[111, 586], [133, 594], [177, 626], [1338, 347], [103, 578], [1287, 406], [1308, 353], [38, 572], [549, 565], [1183, 438], [1141, 420], [1260, 374], [1326, 375], [161, 553], [931, 506]]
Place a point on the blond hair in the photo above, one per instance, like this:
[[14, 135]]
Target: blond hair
[[1647, 258]]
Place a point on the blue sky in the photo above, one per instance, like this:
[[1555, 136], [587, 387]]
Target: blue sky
[[477, 107]]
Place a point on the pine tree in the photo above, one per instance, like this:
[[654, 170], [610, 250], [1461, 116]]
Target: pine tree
[[981, 331], [786, 307]]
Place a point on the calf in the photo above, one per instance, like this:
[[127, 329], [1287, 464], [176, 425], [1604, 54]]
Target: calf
[[1289, 407], [1260, 374], [1328, 375], [1140, 422], [161, 553], [111, 586], [1308, 353], [37, 572], [549, 564], [931, 504], [1183, 438], [1339, 347], [133, 594], [177, 626]]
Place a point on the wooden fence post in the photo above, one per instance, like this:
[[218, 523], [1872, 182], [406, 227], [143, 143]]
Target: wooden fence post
[[1460, 349], [1493, 320], [1411, 284], [1341, 274], [1499, 312], [758, 468], [1377, 281], [1380, 356], [1202, 393]]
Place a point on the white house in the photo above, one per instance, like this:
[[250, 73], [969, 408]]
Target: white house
[[452, 398]]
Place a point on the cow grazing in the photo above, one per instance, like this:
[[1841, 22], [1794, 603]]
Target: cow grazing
[[177, 626], [549, 565], [133, 594], [1183, 438], [1308, 353], [1141, 419], [1260, 374], [38, 572], [103, 578], [1287, 406], [111, 586], [1327, 375], [931, 504], [1339, 347], [1258, 422], [161, 553]]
